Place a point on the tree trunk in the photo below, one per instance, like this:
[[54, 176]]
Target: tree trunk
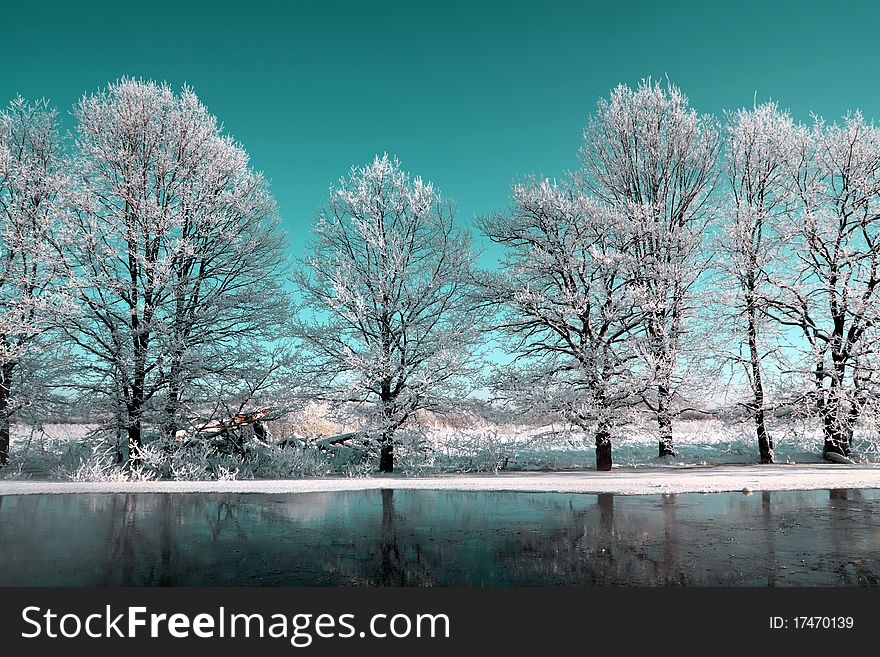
[[386, 440], [172, 403], [765, 443], [603, 449], [836, 443], [135, 441], [837, 436], [860, 398], [664, 421], [134, 408], [5, 385], [136, 403], [4, 435], [835, 415], [140, 336], [386, 453]]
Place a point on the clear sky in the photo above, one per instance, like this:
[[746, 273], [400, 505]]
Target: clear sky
[[470, 95]]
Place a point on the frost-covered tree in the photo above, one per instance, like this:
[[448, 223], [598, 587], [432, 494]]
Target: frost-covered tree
[[650, 157], [758, 148], [829, 290], [31, 299], [390, 321], [568, 306], [173, 245]]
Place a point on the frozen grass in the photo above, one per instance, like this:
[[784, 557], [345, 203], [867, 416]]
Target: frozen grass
[[75, 452], [697, 442]]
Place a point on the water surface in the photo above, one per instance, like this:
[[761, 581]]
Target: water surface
[[441, 538]]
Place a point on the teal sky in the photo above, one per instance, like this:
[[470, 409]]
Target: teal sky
[[469, 95]]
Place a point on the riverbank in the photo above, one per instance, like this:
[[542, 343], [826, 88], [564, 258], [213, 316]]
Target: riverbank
[[620, 481]]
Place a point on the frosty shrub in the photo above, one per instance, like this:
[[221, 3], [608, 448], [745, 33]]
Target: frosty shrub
[[94, 464], [415, 453], [481, 451], [201, 459], [190, 461], [15, 472], [289, 462]]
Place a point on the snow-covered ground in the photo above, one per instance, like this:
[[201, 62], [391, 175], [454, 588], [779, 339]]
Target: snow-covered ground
[[697, 442], [621, 481]]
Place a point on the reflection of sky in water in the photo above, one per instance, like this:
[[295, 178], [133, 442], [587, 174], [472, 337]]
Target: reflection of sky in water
[[442, 538]]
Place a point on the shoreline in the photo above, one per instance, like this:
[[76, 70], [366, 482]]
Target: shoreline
[[620, 481]]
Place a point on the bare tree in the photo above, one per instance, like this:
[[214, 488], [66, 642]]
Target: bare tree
[[568, 306], [31, 300], [387, 283], [173, 245], [649, 156], [758, 149], [829, 292]]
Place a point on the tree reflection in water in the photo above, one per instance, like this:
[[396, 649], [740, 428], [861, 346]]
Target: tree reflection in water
[[400, 565], [595, 547], [853, 570], [443, 538], [767, 525]]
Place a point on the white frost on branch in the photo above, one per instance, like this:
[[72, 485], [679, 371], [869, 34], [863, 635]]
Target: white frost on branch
[[388, 283]]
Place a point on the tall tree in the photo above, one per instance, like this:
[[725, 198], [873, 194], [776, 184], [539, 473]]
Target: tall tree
[[758, 149], [569, 306], [830, 290], [387, 284], [174, 247], [31, 177], [649, 156]]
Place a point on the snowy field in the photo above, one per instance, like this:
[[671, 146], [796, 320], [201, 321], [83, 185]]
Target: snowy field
[[697, 442]]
